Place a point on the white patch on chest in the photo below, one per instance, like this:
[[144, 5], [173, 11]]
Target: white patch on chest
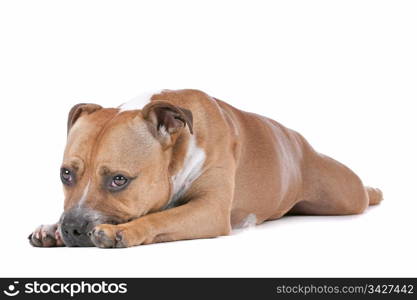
[[191, 170], [138, 102]]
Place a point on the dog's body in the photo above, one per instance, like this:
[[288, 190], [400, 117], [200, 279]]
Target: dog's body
[[229, 168]]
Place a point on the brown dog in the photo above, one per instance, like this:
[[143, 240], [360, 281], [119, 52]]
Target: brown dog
[[187, 166]]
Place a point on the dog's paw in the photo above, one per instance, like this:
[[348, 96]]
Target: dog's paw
[[46, 236], [108, 236]]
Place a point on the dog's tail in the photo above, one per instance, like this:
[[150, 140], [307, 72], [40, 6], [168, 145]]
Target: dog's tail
[[375, 195]]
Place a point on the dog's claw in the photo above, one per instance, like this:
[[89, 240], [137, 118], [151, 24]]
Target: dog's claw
[[119, 236], [46, 236]]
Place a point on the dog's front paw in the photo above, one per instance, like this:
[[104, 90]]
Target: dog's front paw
[[108, 236], [46, 236], [118, 236]]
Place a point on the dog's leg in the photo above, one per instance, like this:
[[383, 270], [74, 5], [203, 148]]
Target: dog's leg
[[46, 236], [331, 188], [193, 220], [205, 216]]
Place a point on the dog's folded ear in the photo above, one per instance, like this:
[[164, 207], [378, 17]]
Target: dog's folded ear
[[78, 110], [167, 119]]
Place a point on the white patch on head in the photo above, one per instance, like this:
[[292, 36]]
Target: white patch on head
[[84, 195], [138, 102], [191, 170]]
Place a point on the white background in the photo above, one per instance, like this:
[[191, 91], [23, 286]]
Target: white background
[[343, 73]]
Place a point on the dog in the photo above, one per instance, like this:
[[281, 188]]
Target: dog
[[181, 164]]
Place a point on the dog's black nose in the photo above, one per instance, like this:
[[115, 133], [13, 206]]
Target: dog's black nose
[[75, 226]]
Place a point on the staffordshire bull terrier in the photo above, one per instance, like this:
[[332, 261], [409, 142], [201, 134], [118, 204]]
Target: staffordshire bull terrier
[[184, 165]]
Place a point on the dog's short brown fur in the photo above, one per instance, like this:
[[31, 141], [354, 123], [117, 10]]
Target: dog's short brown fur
[[254, 169]]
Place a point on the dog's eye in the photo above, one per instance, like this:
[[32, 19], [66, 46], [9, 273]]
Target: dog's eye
[[118, 181], [66, 176]]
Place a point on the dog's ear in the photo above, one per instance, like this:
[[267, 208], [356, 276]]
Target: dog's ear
[[167, 119], [78, 110]]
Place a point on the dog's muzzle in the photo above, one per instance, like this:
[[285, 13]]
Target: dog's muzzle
[[76, 225]]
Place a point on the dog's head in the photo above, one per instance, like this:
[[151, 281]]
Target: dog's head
[[116, 165]]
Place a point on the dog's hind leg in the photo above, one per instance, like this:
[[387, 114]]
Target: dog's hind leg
[[331, 188], [375, 195]]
